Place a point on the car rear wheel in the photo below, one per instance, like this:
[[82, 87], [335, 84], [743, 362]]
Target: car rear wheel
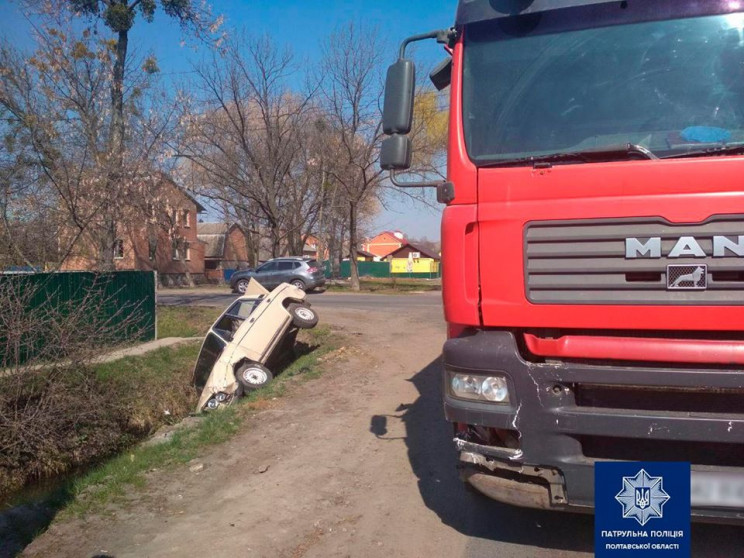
[[241, 286], [299, 283], [303, 316], [252, 375]]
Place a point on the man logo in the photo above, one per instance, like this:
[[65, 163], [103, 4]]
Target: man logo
[[685, 247], [642, 497], [687, 277]]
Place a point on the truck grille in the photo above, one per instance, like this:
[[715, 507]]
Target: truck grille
[[584, 262]]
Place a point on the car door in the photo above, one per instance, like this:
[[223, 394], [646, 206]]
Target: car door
[[285, 272], [266, 275]]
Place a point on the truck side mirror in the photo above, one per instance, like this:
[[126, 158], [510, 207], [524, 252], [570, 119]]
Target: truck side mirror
[[395, 153], [441, 75], [397, 113]]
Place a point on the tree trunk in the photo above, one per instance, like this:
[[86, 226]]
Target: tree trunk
[[117, 98], [108, 242], [251, 248], [182, 252], [116, 147], [275, 242], [353, 246], [340, 253]]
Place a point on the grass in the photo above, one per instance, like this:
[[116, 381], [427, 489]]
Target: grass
[[112, 481], [185, 321], [84, 417], [389, 285], [77, 417]]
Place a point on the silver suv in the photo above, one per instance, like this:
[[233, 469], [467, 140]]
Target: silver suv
[[305, 274]]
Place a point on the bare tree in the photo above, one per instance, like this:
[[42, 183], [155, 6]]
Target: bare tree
[[120, 16], [249, 142], [56, 106], [49, 391], [352, 91]]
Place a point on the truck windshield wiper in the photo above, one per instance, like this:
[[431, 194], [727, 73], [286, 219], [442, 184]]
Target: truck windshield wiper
[[607, 153], [710, 151]]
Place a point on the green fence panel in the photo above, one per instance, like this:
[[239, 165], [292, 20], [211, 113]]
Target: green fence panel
[[115, 297], [366, 269]]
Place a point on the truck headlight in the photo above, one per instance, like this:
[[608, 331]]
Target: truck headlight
[[479, 388]]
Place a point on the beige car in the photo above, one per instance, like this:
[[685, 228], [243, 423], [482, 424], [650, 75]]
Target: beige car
[[255, 329]]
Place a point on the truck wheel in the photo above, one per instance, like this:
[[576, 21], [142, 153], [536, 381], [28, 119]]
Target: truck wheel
[[303, 316], [253, 376]]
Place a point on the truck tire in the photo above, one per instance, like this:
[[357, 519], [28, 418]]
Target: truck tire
[[252, 376], [303, 316]]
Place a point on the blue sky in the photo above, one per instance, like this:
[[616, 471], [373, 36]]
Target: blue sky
[[302, 25]]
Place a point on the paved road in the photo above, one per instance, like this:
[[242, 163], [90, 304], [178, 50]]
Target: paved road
[[362, 301]]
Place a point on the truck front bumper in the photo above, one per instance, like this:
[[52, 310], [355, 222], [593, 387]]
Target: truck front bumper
[[566, 416]]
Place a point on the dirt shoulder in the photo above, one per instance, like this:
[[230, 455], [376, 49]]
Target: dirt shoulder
[[337, 468]]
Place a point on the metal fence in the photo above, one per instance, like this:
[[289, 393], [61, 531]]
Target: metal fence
[[120, 296]]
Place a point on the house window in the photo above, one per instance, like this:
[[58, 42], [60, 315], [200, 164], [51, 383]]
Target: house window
[[118, 249], [186, 219]]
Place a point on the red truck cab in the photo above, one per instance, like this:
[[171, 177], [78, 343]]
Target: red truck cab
[[593, 244]]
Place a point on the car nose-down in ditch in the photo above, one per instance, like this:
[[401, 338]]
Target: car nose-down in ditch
[[255, 330]]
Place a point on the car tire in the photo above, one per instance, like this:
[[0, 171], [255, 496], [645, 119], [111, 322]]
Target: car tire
[[299, 283], [241, 286], [303, 316], [252, 376]]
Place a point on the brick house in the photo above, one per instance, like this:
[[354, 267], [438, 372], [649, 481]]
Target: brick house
[[163, 239], [384, 243], [225, 247]]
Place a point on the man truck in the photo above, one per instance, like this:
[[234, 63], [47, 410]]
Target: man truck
[[592, 242]]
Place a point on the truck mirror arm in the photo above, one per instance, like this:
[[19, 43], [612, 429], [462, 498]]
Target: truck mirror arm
[[445, 189], [443, 36]]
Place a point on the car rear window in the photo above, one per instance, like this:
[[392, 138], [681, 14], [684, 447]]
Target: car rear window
[[312, 263]]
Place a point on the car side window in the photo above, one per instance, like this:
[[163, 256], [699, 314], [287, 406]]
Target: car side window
[[268, 266], [234, 317], [296, 265], [286, 266], [242, 308]]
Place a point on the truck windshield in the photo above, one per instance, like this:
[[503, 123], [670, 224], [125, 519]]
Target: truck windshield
[[673, 87]]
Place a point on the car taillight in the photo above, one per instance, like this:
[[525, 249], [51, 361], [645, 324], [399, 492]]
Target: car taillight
[[312, 269]]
